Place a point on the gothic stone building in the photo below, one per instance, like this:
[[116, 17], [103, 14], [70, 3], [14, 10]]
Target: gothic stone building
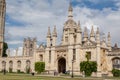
[[74, 46]]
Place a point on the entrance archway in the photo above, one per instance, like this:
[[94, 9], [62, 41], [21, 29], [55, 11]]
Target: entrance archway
[[62, 65]]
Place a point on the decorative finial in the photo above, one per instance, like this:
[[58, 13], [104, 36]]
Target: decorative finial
[[109, 35], [85, 33], [55, 32], [97, 32], [92, 32], [70, 10], [48, 34]]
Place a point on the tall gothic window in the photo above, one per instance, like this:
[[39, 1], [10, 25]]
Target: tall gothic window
[[41, 57], [11, 64], [89, 55], [66, 39], [49, 56], [19, 64], [3, 64], [75, 38], [31, 45], [74, 54]]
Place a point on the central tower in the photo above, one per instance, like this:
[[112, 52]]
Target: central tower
[[72, 31], [2, 24]]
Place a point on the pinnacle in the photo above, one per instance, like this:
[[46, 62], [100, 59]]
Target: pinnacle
[[49, 33], [54, 31], [92, 34], [85, 32]]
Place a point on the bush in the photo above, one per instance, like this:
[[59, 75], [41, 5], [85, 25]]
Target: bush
[[116, 72], [88, 67], [39, 67]]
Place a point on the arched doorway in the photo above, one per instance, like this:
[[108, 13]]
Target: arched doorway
[[28, 66], [62, 65], [116, 63]]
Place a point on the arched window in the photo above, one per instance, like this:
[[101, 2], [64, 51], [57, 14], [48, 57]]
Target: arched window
[[116, 63], [3, 64], [41, 57], [11, 64], [74, 54], [19, 64], [50, 56], [28, 64], [31, 45]]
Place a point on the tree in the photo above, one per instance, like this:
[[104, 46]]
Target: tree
[[88, 66], [116, 72], [39, 67], [5, 47]]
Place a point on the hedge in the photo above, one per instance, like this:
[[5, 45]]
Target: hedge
[[39, 67], [116, 72]]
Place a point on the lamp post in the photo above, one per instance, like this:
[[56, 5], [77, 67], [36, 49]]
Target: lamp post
[[72, 69]]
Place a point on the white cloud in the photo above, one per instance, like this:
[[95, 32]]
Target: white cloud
[[37, 15]]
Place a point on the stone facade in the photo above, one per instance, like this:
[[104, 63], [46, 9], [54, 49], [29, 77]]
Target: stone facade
[[74, 46]]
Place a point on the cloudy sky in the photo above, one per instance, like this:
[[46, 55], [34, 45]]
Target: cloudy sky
[[31, 18]]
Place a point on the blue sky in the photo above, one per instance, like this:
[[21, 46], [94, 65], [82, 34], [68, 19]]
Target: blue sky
[[31, 18]]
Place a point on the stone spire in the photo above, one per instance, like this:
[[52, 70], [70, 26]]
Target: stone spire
[[92, 34], [97, 36], [79, 28], [49, 33], [98, 49], [54, 36], [115, 46], [109, 41], [85, 34], [79, 34], [70, 11], [54, 32], [109, 36]]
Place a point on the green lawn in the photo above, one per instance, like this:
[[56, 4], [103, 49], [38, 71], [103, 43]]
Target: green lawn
[[38, 77]]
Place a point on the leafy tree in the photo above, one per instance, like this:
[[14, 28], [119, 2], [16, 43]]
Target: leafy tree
[[116, 72], [39, 67], [5, 47], [88, 66]]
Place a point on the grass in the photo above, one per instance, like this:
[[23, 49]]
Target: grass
[[13, 76]]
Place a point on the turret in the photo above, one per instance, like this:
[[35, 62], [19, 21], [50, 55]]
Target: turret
[[48, 38], [92, 34], [109, 41], [79, 34], [85, 36], [54, 36], [29, 46], [98, 36], [98, 54]]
